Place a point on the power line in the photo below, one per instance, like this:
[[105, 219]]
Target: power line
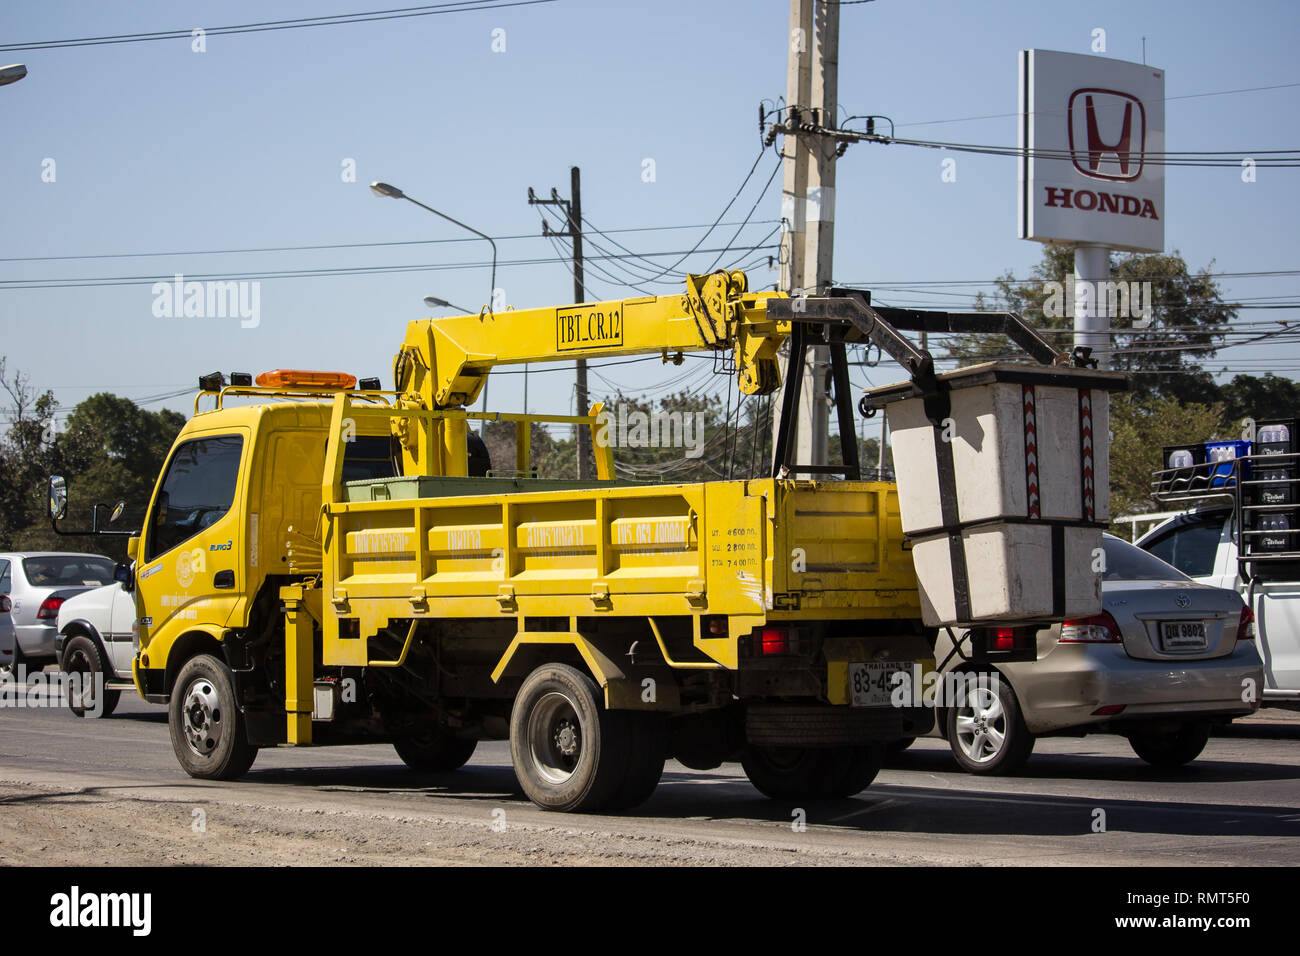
[[108, 281], [1185, 96], [398, 13], [338, 245]]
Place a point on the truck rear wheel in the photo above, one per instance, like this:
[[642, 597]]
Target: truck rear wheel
[[435, 752], [812, 773], [569, 752], [1170, 749], [82, 656], [647, 747], [207, 727]]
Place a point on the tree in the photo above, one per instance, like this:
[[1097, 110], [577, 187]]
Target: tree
[[27, 454], [1141, 425], [110, 450], [1260, 398], [1173, 323]]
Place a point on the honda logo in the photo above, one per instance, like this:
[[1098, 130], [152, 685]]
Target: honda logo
[[1108, 132]]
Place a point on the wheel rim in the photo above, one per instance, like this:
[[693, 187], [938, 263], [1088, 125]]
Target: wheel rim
[[83, 699], [981, 725], [201, 717], [555, 738]]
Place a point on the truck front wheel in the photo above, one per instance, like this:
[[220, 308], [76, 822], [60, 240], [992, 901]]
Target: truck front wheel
[[569, 752], [207, 727]]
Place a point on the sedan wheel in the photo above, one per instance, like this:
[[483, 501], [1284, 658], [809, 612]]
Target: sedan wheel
[[985, 729]]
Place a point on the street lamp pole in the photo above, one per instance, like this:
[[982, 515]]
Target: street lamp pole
[[12, 73], [392, 192]]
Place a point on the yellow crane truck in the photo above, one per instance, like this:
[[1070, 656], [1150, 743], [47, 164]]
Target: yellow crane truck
[[324, 562]]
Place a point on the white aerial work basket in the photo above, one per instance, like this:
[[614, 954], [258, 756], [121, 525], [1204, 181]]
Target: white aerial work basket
[[1003, 483]]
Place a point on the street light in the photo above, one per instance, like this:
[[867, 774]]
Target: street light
[[392, 192], [433, 302], [12, 73]]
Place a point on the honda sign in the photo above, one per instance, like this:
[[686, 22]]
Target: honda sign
[[1092, 139]]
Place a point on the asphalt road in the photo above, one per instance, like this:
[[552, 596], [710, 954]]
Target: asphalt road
[[110, 791]]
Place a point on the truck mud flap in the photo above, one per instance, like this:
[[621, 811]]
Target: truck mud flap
[[786, 725]]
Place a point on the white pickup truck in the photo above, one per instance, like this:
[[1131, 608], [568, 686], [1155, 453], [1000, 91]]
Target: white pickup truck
[[1203, 543], [97, 635]]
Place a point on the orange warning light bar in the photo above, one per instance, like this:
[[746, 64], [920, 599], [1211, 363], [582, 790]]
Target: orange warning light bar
[[296, 377]]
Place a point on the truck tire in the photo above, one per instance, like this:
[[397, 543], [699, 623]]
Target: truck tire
[[569, 752], [986, 732], [207, 727], [435, 752], [83, 656], [1168, 750], [812, 773], [648, 745], [861, 766]]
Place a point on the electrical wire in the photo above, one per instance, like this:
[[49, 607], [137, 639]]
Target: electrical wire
[[398, 13]]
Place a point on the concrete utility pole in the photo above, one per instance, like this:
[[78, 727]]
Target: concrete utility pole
[[573, 214], [808, 198]]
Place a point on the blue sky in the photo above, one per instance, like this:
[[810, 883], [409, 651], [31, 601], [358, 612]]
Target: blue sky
[[161, 149]]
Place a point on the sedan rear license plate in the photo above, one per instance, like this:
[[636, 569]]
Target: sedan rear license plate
[[1183, 635], [872, 683]]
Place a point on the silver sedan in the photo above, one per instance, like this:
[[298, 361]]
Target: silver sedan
[[37, 584], [1165, 660]]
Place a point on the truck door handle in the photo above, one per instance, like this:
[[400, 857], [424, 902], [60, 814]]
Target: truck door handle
[[223, 579]]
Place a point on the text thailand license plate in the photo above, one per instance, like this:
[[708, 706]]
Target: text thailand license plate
[[871, 683], [1183, 635]]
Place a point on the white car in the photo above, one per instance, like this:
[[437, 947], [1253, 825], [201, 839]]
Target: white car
[[97, 635], [8, 635], [1202, 543]]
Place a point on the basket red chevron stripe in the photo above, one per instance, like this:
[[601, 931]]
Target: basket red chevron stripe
[[1085, 446], [1031, 454]]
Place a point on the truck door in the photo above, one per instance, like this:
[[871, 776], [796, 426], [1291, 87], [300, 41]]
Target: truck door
[[191, 559]]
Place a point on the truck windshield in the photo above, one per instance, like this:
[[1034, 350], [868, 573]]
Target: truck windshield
[[196, 493]]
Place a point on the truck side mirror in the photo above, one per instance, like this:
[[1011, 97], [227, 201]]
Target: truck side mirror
[[123, 576], [58, 497], [132, 547]]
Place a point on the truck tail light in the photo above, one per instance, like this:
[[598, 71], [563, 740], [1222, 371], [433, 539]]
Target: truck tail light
[[1004, 639], [49, 609], [1098, 629], [1246, 626], [773, 640]]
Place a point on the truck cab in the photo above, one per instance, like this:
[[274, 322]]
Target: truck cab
[[241, 486]]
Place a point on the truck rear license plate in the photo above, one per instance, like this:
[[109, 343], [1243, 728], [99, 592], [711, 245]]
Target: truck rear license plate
[[1183, 636], [871, 683]]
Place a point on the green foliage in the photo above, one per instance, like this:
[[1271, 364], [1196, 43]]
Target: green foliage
[[110, 450], [1141, 425], [1260, 398], [1187, 320]]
